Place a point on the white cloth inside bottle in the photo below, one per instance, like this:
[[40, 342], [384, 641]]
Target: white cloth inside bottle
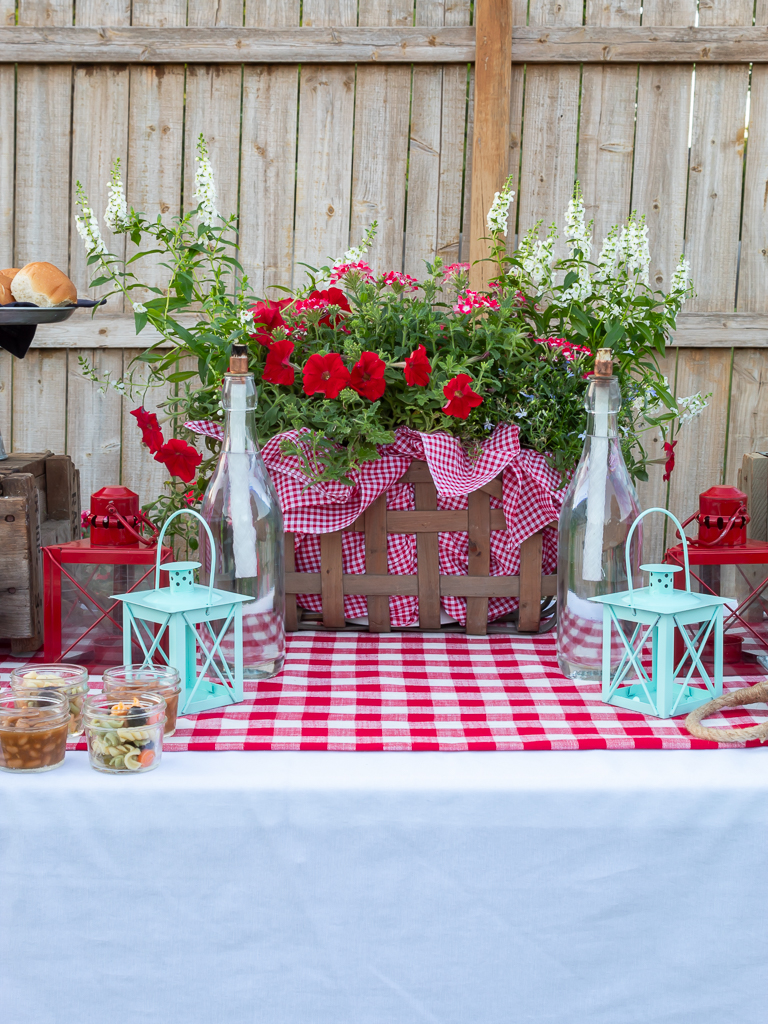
[[243, 527]]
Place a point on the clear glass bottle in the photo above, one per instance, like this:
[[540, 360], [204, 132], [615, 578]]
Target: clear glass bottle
[[242, 509], [599, 508]]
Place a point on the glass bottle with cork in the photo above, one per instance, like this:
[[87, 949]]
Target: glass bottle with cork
[[242, 509], [598, 511]]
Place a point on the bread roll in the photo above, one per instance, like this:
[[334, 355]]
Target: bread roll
[[43, 284], [5, 289], [9, 272]]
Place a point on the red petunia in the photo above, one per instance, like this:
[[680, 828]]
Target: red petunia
[[325, 374], [267, 316], [151, 434], [278, 369], [367, 376], [180, 459], [461, 398], [669, 465], [417, 368]]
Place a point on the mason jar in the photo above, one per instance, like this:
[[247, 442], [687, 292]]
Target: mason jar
[[162, 679], [71, 680], [33, 731], [125, 735]]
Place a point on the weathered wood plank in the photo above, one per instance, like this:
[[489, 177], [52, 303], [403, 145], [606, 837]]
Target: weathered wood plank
[[324, 151], [43, 119], [40, 402], [661, 147], [701, 449], [343, 44], [607, 127], [7, 151], [291, 608], [155, 132], [716, 168], [491, 128], [382, 104], [99, 137], [753, 266], [138, 469], [550, 121], [428, 558], [479, 557], [653, 492], [748, 425], [376, 562], [529, 612], [94, 422], [6, 399], [330, 580], [268, 174]]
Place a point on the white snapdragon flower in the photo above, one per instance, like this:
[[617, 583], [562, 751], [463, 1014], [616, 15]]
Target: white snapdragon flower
[[116, 215], [633, 252], [356, 253], [139, 307], [498, 215], [88, 226], [538, 257], [692, 406], [577, 232], [205, 186], [581, 289], [682, 276], [245, 316], [606, 261]]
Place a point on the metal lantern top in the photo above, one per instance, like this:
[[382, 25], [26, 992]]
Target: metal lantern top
[[183, 594], [660, 597]]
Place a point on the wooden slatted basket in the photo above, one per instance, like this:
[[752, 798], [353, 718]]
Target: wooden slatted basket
[[479, 519]]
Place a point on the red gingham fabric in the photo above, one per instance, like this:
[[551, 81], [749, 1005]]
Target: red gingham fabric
[[532, 497], [408, 691]]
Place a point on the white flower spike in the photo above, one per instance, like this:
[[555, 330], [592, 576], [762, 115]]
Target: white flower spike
[[498, 215], [116, 215], [88, 226], [205, 186]]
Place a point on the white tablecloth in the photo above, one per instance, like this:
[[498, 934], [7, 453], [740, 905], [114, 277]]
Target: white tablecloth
[[316, 888]]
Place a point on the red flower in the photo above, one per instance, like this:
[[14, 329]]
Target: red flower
[[189, 497], [417, 368], [278, 369], [180, 459], [367, 376], [325, 374], [461, 398], [151, 434], [669, 465], [266, 317]]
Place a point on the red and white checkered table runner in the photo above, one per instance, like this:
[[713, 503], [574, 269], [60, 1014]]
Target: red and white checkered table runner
[[360, 691]]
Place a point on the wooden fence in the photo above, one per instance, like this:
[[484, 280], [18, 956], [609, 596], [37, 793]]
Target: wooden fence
[[365, 110]]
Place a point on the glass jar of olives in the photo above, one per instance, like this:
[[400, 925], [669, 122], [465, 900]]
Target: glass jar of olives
[[71, 680], [125, 734]]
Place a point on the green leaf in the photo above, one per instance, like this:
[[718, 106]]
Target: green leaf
[[140, 319], [98, 281], [615, 334], [181, 375]]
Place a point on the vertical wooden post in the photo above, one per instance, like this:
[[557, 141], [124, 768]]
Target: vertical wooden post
[[490, 147]]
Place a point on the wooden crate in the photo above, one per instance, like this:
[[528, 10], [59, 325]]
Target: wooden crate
[[427, 584], [39, 505]]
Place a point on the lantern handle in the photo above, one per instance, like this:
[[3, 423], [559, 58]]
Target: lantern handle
[[676, 521], [166, 524]]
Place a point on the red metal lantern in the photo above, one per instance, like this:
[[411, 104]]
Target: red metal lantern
[[82, 622], [722, 540]]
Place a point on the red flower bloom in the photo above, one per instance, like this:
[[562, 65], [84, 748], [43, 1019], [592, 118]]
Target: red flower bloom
[[669, 465], [325, 374], [323, 299], [367, 376], [417, 368], [180, 459], [266, 317], [151, 434], [461, 398], [278, 369]]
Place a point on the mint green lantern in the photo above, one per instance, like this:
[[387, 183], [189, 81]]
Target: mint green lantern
[[655, 615], [195, 620]]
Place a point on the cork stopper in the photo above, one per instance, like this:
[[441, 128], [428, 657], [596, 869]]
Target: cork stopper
[[238, 360], [604, 363]]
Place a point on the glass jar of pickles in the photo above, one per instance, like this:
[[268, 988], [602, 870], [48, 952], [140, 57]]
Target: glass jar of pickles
[[71, 680], [125, 734], [33, 731], [126, 680]]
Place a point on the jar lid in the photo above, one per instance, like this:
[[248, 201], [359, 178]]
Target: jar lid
[[51, 677]]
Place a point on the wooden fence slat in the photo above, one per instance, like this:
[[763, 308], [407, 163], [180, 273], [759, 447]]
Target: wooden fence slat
[[428, 559], [138, 469], [749, 409], [94, 422], [43, 118], [291, 608], [40, 402], [716, 168], [155, 131], [99, 136], [653, 492], [661, 147], [376, 562], [324, 160], [479, 558], [529, 612], [753, 265], [6, 399], [7, 151], [517, 90], [549, 134], [380, 159], [268, 173], [607, 128], [702, 441], [491, 127]]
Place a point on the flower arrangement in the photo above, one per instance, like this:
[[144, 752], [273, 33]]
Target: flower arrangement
[[352, 354]]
